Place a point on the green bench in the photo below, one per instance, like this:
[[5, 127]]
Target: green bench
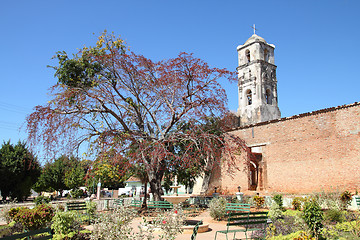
[[195, 231], [135, 203], [152, 204], [249, 221], [118, 202], [159, 205], [237, 207], [80, 207], [46, 233], [357, 200]]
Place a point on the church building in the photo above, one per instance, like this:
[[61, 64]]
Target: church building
[[314, 151]]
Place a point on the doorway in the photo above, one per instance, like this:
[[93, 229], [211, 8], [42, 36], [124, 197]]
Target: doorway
[[255, 172]]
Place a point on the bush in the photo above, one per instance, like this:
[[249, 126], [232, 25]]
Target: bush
[[32, 219], [217, 208], [349, 229], [334, 216], [259, 201], [286, 225], [346, 199], [65, 224], [76, 193], [275, 211], [91, 208], [297, 202], [11, 229], [83, 235], [41, 200], [313, 216], [5, 212], [328, 200], [170, 224], [279, 201], [298, 235], [117, 225]]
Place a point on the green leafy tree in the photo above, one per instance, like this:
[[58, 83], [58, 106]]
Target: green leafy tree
[[108, 171], [116, 100], [19, 170], [75, 177], [63, 173]]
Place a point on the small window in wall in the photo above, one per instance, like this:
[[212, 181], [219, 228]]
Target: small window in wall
[[249, 97], [268, 96], [266, 55], [247, 53]]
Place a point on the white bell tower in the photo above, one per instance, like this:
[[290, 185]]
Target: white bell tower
[[258, 101]]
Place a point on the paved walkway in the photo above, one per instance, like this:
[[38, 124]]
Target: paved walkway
[[209, 235], [213, 227]]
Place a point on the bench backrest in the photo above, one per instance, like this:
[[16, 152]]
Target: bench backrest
[[78, 206], [30, 234], [136, 203], [160, 204], [237, 207], [247, 219], [357, 199], [119, 202]]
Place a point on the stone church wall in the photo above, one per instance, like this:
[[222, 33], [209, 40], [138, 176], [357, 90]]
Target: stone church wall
[[309, 152]]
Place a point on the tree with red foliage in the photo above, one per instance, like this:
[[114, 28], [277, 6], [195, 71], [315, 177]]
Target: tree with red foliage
[[132, 109]]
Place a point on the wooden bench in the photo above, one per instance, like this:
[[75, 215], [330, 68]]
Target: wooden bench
[[46, 231], [249, 221], [80, 207]]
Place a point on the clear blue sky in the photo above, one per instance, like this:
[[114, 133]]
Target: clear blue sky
[[316, 52]]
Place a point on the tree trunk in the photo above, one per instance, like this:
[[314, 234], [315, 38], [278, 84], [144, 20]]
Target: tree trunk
[[205, 183], [207, 175], [156, 189], [144, 204], [155, 177]]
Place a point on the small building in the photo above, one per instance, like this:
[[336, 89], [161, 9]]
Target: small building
[[134, 187]]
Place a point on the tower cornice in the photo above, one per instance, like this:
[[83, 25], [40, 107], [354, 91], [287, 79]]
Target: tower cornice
[[260, 42], [255, 61]]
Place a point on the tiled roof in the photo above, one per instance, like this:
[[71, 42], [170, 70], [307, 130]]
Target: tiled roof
[[133, 179]]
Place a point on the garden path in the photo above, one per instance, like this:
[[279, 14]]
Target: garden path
[[209, 235]]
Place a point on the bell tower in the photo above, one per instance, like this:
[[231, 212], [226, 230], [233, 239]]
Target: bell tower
[[258, 101]]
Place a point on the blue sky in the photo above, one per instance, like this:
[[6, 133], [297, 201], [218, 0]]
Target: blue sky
[[316, 52]]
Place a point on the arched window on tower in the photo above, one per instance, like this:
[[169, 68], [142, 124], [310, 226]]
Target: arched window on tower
[[268, 96], [247, 53], [249, 97], [266, 55]]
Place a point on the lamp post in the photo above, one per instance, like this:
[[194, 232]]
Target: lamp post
[[239, 194], [98, 189]]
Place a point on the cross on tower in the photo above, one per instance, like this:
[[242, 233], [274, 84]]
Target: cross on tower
[[253, 27]]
